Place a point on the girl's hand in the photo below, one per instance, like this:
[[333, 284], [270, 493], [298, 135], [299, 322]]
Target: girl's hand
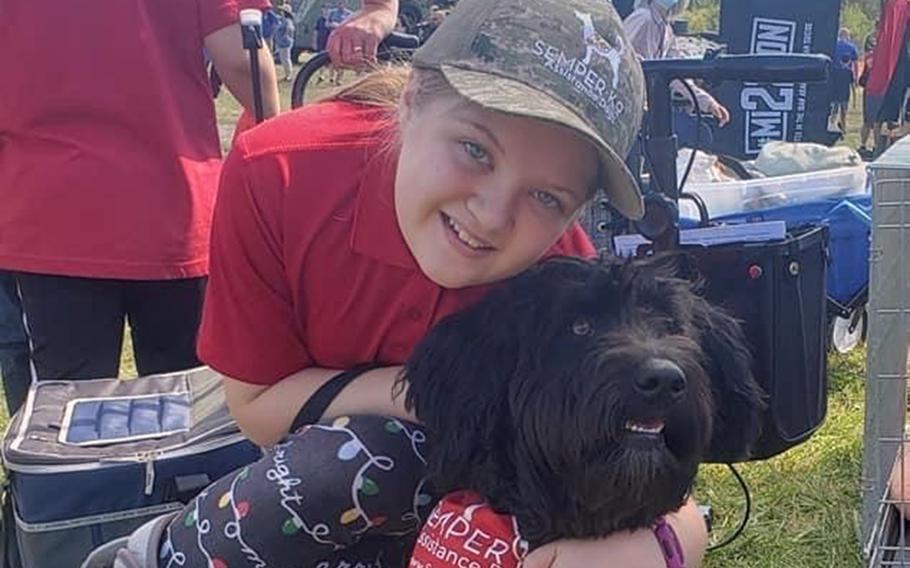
[[354, 43], [625, 550], [638, 549]]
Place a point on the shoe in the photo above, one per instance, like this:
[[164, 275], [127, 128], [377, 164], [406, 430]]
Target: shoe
[[138, 550]]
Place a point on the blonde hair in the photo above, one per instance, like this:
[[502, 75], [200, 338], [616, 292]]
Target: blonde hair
[[385, 86]]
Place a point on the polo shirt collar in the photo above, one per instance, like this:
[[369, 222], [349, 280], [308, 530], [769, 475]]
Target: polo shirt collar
[[375, 232]]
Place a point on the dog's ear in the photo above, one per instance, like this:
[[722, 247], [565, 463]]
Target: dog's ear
[[457, 380], [738, 399]]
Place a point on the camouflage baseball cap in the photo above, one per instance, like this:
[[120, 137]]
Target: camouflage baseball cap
[[564, 61]]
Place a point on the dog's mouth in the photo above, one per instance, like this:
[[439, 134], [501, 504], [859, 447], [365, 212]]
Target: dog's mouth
[[645, 426]]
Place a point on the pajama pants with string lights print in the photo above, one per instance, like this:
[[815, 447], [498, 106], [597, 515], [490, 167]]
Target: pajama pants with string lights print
[[345, 494]]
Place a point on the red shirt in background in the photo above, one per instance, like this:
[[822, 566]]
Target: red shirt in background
[[309, 267], [889, 43], [109, 152]]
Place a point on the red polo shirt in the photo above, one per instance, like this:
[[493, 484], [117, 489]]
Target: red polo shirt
[[308, 266], [109, 152]]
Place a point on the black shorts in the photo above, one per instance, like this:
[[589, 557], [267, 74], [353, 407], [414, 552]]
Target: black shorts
[[841, 85]]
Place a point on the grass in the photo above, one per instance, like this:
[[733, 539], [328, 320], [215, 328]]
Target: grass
[[806, 501]]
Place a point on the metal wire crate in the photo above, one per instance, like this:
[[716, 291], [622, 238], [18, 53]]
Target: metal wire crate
[[885, 536]]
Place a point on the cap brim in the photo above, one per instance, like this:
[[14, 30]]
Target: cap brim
[[513, 97]]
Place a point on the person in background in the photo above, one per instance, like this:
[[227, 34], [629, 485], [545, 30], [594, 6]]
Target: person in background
[[284, 39], [336, 16], [355, 41], [843, 79], [322, 38], [322, 29], [863, 80], [270, 20], [649, 28], [433, 20], [108, 175], [889, 76], [15, 367]]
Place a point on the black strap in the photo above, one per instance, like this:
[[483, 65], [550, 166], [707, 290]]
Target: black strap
[[315, 407]]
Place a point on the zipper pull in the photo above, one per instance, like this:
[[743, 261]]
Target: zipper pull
[[149, 473]]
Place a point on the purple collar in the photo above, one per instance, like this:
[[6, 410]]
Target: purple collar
[[669, 543]]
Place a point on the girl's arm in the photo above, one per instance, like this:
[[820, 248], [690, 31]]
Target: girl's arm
[[637, 549], [265, 413]]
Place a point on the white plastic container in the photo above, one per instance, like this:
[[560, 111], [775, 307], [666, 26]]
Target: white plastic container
[[735, 197]]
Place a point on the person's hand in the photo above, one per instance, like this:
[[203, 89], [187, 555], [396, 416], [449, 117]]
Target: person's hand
[[721, 113], [354, 43], [635, 550], [625, 549]]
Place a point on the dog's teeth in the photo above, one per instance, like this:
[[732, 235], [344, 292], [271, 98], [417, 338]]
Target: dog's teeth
[[636, 427]]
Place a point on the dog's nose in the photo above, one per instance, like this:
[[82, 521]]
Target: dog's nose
[[660, 379]]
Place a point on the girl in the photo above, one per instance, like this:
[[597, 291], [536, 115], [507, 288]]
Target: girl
[[345, 230]]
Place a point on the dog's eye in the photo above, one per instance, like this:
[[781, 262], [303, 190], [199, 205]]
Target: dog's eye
[[582, 327]]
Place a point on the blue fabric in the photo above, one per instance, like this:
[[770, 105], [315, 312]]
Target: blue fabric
[[338, 15], [284, 34], [118, 486], [850, 225], [15, 366], [845, 53], [270, 21], [12, 330]]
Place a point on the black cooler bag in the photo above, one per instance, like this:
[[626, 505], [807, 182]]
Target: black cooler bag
[[777, 290]]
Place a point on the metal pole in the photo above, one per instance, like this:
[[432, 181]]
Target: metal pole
[[251, 27]]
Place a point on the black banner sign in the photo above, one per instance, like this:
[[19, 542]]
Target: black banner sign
[[795, 112]]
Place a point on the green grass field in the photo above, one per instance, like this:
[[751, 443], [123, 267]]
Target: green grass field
[[805, 502]]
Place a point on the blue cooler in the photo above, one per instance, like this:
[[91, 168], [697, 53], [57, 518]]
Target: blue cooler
[[91, 460]]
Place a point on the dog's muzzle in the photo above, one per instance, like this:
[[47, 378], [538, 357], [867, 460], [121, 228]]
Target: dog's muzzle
[[658, 386], [660, 383]]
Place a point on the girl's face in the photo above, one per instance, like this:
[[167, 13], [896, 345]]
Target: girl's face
[[481, 195]]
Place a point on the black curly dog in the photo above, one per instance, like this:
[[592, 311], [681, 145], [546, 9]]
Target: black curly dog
[[581, 396]]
